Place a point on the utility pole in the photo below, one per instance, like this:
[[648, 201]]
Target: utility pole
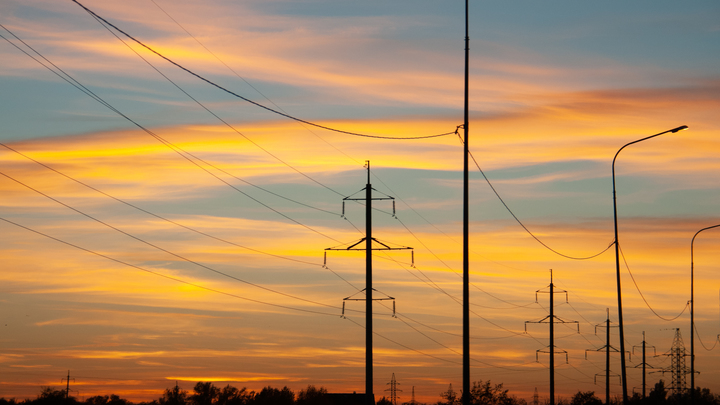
[[394, 390], [644, 365], [67, 389], [368, 239], [677, 367], [466, 221], [607, 349], [551, 320]]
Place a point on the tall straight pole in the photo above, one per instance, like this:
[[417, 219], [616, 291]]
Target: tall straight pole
[[619, 292], [643, 366], [369, 396], [607, 358], [621, 329], [692, 313], [552, 343], [466, 236]]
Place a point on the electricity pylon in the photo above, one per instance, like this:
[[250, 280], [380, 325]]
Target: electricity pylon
[[644, 365], [607, 349], [368, 239], [551, 319], [677, 367], [67, 390], [394, 390]]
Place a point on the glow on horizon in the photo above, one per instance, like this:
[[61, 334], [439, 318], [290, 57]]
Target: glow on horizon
[[551, 101]]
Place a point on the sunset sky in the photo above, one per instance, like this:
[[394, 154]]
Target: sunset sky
[[162, 230]]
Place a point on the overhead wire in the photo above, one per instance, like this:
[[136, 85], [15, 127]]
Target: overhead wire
[[210, 82], [183, 258], [247, 82], [523, 225], [218, 117], [717, 340], [184, 154], [176, 279], [156, 215], [687, 304]]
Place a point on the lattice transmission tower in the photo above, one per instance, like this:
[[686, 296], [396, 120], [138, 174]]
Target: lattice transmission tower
[[394, 390], [677, 367]]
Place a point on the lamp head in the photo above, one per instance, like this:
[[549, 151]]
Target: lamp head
[[678, 129]]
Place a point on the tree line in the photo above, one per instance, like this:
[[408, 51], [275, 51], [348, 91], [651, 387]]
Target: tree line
[[481, 393]]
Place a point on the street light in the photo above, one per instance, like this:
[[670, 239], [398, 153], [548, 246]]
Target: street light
[[692, 315], [617, 262]]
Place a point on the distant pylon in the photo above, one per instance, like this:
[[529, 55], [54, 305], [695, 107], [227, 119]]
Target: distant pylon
[[394, 390], [551, 319], [677, 364], [536, 398], [607, 348], [644, 365], [67, 390]]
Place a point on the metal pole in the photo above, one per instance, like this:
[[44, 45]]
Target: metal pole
[[644, 364], [552, 344], [692, 314], [369, 396], [607, 358], [466, 216], [617, 263]]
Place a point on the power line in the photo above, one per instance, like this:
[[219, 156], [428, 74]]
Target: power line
[[717, 339], [643, 296], [182, 153], [525, 227], [216, 116], [153, 214], [163, 249], [250, 84], [179, 280], [210, 82]]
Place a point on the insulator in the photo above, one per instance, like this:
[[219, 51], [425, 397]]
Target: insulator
[[325, 259], [343, 209], [412, 258], [343, 310], [393, 309], [393, 207]]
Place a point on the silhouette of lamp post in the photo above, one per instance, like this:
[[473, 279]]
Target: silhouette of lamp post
[[692, 314], [617, 261]]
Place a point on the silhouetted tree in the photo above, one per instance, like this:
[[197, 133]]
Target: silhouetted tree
[[484, 393], [384, 401], [50, 396], [449, 397], [230, 395], [106, 400], [205, 394], [658, 395], [173, 396], [313, 396], [274, 396], [585, 398]]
